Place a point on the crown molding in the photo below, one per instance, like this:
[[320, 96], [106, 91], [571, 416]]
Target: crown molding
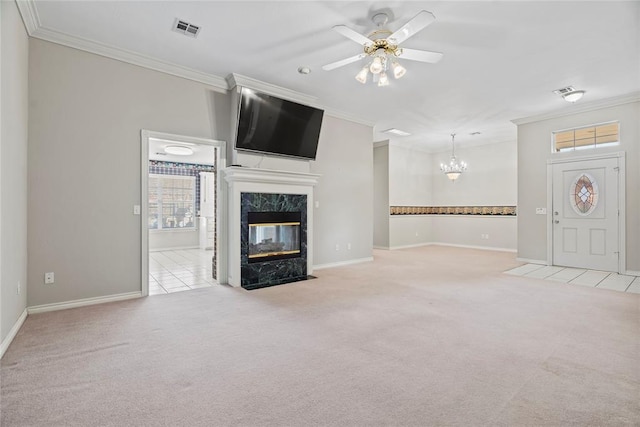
[[29, 15], [583, 108], [349, 117], [129, 57], [35, 29], [237, 80]]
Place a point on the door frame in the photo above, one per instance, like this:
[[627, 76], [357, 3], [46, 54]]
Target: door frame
[[622, 245], [221, 197]]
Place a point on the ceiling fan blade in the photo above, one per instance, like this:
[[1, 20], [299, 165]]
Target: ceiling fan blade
[[415, 24], [420, 55], [353, 35], [342, 62]]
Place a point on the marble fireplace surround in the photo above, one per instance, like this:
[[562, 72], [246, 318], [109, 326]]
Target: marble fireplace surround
[[249, 180]]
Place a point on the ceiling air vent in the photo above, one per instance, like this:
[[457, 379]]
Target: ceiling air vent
[[565, 90], [186, 28]]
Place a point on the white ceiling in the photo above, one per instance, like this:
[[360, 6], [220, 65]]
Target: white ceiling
[[502, 59]]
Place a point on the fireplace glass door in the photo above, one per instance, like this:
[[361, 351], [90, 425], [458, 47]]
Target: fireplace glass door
[[273, 236]]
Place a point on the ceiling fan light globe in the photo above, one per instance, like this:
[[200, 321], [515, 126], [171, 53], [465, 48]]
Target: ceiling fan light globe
[[376, 65], [362, 75], [398, 70], [384, 80]]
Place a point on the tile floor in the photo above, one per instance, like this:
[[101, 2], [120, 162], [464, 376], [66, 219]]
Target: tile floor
[[582, 277], [179, 270]]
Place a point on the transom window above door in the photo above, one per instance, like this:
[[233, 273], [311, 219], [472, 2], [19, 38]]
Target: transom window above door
[[593, 136]]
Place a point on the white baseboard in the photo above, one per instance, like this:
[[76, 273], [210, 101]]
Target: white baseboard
[[83, 302], [381, 247], [343, 263], [484, 248], [632, 273], [416, 245], [177, 248], [6, 342], [532, 261]]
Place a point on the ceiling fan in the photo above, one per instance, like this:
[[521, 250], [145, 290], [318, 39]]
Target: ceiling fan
[[382, 46]]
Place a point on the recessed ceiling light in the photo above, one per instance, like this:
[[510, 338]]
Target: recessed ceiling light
[[304, 70], [573, 96], [178, 150], [396, 132]]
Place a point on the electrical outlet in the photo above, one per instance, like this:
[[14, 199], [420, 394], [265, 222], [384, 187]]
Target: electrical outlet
[[136, 209], [348, 246], [49, 278], [337, 247], [19, 289]]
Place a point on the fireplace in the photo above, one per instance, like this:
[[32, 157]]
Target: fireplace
[[273, 239], [273, 236], [257, 191]]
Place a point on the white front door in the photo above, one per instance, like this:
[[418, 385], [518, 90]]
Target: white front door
[[585, 214]]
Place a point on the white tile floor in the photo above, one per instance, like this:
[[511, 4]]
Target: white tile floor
[[577, 276], [179, 270]]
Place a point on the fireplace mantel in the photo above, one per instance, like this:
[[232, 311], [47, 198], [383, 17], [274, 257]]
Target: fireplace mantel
[[249, 180], [234, 174]]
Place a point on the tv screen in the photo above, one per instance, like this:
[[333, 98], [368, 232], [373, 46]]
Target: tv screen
[[270, 125]]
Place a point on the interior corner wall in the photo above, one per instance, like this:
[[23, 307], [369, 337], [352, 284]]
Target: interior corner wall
[[85, 116], [534, 149], [14, 114], [343, 216], [410, 176], [415, 179], [381, 196], [491, 180]]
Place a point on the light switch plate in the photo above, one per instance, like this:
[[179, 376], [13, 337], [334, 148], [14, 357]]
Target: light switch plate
[[541, 211], [136, 209]]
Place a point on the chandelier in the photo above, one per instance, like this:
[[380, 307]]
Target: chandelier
[[454, 168]]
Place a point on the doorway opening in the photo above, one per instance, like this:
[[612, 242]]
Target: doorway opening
[[180, 212]]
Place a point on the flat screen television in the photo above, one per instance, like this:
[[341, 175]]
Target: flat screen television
[[270, 125]]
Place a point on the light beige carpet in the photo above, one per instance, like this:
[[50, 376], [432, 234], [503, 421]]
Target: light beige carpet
[[420, 337]]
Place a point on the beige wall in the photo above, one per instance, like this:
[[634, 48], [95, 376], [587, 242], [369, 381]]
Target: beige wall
[[534, 149], [86, 114], [381, 195], [344, 192], [13, 166]]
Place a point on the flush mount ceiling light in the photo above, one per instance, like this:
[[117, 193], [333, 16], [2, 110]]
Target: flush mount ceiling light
[[453, 169], [395, 131], [570, 94], [382, 48], [178, 150]]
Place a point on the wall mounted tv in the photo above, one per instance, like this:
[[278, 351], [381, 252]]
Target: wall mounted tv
[[270, 125]]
